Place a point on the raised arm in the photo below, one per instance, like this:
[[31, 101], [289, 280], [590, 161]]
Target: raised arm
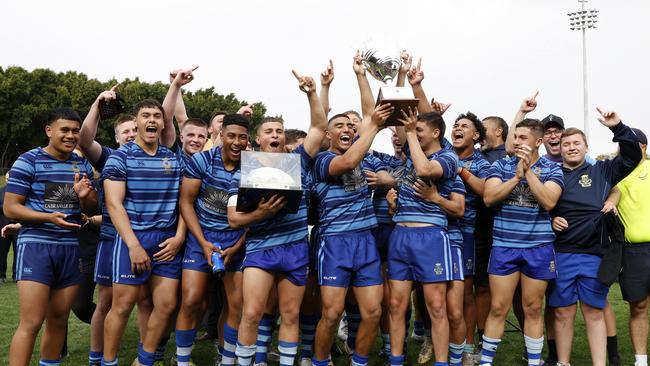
[[180, 112], [318, 124], [548, 193], [91, 149], [496, 190], [527, 106], [407, 60], [367, 100], [370, 125], [424, 167], [630, 152], [182, 77], [326, 78], [476, 184], [415, 77]]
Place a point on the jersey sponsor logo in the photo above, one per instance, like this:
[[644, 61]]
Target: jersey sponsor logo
[[551, 266], [141, 163], [329, 278], [27, 270], [47, 166], [167, 165], [585, 181], [127, 276], [537, 171], [522, 196], [60, 196], [354, 180], [438, 270], [215, 200]]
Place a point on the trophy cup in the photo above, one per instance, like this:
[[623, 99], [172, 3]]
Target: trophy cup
[[385, 67], [266, 174]]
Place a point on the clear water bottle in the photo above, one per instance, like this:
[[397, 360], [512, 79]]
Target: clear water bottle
[[218, 266]]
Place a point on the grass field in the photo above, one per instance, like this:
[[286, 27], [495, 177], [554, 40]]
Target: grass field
[[509, 352]]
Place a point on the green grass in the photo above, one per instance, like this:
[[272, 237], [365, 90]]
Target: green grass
[[509, 352]]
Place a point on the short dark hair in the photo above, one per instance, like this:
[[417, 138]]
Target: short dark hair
[[352, 111], [434, 120], [235, 119], [338, 115], [502, 124], [122, 119], [574, 131], [148, 103], [292, 135], [195, 122], [477, 124], [533, 124], [62, 113]]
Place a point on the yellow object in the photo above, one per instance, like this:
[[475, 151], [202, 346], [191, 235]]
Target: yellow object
[[634, 206]]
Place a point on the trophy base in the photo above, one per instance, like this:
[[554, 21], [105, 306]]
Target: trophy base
[[401, 98], [249, 198]]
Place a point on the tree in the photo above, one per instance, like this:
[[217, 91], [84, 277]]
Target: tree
[[26, 98]]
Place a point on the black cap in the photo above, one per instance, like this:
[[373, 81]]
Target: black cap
[[551, 120], [640, 136]]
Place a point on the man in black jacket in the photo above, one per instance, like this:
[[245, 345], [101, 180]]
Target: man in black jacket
[[582, 237]]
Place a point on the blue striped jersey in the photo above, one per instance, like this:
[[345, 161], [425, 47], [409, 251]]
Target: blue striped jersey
[[478, 166], [411, 208], [212, 201], [106, 231], [47, 185], [152, 184], [283, 228], [380, 205], [453, 225], [520, 221], [394, 167], [344, 204]]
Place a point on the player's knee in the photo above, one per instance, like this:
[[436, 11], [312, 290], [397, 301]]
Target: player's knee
[[31, 325], [437, 308], [593, 315], [639, 308], [251, 315], [498, 311], [532, 309], [332, 314], [166, 306], [455, 316], [397, 305]]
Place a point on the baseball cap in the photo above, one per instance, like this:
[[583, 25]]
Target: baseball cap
[[641, 137], [551, 120]]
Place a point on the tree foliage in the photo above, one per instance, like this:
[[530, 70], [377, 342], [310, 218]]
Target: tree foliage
[[27, 96]]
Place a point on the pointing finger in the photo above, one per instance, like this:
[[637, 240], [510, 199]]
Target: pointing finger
[[114, 87], [419, 64], [296, 75], [535, 96], [194, 68]]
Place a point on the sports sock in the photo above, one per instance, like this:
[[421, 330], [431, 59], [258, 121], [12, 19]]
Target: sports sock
[[43, 362], [612, 349], [456, 353], [228, 356], [534, 349], [184, 341], [359, 360], [113, 362], [159, 355], [264, 332], [307, 331], [244, 354], [288, 351], [354, 318], [489, 350], [95, 357], [396, 360]]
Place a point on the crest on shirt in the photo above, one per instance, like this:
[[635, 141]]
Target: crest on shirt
[[438, 269], [167, 165], [60, 196], [537, 171], [521, 196], [585, 181], [354, 180], [551, 266], [75, 167], [215, 200]]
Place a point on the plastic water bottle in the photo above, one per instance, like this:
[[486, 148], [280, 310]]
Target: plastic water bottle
[[217, 262]]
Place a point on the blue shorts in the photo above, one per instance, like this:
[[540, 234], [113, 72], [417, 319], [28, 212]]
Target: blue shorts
[[56, 266], [289, 260], [537, 262], [381, 233], [349, 260], [469, 253], [420, 254], [104, 263], [577, 281], [149, 240], [457, 264], [194, 259]]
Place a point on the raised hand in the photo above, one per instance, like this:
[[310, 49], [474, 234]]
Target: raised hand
[[305, 83], [529, 104], [381, 114], [82, 186], [357, 65], [247, 110], [439, 107], [409, 120], [183, 77], [327, 76], [608, 118], [524, 153], [415, 75], [109, 95], [407, 61]]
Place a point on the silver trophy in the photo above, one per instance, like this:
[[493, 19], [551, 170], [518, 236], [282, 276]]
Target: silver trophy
[[383, 61]]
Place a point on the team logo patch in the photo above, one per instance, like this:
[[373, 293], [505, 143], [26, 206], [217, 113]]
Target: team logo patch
[[585, 181], [438, 269], [215, 200], [469, 264], [167, 165], [60, 196], [551, 266], [537, 171], [354, 180], [522, 196], [75, 167]]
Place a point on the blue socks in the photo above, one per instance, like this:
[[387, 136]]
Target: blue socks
[[95, 358], [396, 360], [353, 314], [358, 360], [288, 351], [264, 332], [456, 353], [43, 362], [109, 363], [245, 354], [489, 350], [144, 357], [184, 341], [534, 349], [307, 333], [228, 356]]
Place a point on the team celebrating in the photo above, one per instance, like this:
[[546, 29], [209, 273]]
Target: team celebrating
[[453, 233]]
